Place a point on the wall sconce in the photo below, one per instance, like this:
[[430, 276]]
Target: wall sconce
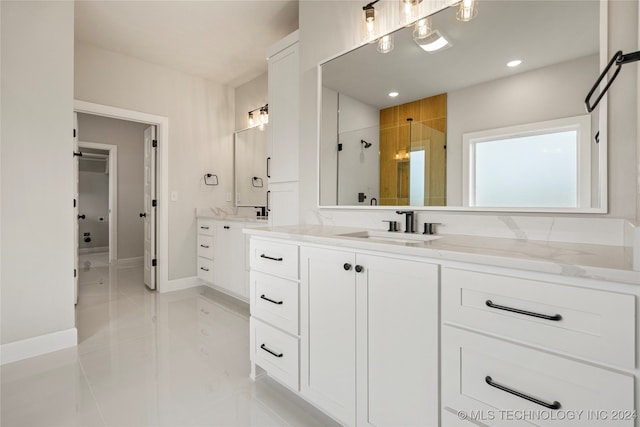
[[385, 44], [263, 116], [369, 23], [467, 10], [409, 11]]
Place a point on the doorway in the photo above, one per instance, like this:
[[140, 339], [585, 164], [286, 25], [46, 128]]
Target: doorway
[[151, 207]]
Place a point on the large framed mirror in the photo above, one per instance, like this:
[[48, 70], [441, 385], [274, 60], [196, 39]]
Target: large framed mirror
[[250, 166], [493, 119]]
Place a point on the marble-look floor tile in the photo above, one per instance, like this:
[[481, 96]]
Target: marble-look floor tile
[[149, 359]]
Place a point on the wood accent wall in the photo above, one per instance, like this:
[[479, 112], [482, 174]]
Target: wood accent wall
[[398, 137]]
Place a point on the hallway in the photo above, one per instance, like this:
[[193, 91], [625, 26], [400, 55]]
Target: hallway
[[149, 359]]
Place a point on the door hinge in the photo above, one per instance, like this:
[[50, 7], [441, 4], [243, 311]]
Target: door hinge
[[154, 263], [74, 203], [75, 273], [154, 143], [339, 147], [74, 133], [154, 203]]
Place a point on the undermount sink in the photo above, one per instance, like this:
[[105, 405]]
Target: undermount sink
[[397, 237]]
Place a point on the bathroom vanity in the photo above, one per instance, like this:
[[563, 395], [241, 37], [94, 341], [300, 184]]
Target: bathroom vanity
[[379, 328]]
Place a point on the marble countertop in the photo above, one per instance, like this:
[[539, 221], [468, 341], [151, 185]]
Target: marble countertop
[[257, 220], [600, 262]]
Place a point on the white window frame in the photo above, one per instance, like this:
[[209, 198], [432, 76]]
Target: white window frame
[[581, 124]]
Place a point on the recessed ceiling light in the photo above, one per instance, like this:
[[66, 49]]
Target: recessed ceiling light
[[514, 63], [393, 94]]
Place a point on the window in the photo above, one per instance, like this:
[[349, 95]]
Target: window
[[542, 165]]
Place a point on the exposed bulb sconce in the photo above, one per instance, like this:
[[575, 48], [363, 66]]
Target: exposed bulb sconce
[[385, 44], [421, 29], [409, 10], [467, 10], [369, 23], [263, 116]]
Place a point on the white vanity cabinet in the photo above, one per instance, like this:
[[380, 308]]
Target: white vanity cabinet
[[222, 251], [283, 147], [369, 337], [513, 343]]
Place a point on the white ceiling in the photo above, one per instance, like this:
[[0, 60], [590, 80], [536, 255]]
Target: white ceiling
[[220, 40]]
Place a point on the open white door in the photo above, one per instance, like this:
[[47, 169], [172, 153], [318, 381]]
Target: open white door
[[76, 226], [149, 214]]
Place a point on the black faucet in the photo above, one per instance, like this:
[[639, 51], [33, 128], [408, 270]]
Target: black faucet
[[408, 228], [262, 212]]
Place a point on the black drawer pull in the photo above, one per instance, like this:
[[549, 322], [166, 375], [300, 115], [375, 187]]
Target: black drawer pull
[[555, 317], [226, 227], [554, 405], [204, 269], [347, 266], [271, 258], [264, 347], [204, 246], [359, 269], [204, 227], [270, 300]]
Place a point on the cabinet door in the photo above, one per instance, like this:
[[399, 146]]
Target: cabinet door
[[283, 204], [327, 315], [284, 71], [229, 273], [397, 342]]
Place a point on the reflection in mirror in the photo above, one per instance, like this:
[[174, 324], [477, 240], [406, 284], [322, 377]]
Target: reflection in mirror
[[251, 166], [378, 147]]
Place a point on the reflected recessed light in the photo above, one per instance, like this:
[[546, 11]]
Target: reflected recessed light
[[393, 94], [514, 63], [433, 42]]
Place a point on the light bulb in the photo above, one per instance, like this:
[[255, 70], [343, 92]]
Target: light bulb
[[370, 24], [409, 10], [421, 29], [385, 44], [467, 11], [264, 117], [251, 122]]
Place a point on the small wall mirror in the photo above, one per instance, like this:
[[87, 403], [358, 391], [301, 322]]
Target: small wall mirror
[[417, 126], [250, 154]]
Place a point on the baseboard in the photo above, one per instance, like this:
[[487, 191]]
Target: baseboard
[[180, 284], [131, 262], [93, 250], [31, 347]]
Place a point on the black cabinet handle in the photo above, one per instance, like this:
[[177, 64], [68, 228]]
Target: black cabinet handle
[[204, 246], [204, 227], [83, 216], [554, 405], [347, 266], [268, 167], [271, 258], [555, 317], [264, 347], [143, 215], [359, 268], [270, 300], [226, 227], [268, 200], [204, 269]]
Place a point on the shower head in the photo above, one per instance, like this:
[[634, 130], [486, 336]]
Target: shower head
[[365, 143]]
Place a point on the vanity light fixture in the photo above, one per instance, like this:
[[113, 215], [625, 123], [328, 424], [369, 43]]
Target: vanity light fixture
[[263, 115], [409, 10], [369, 23], [385, 44], [467, 10], [393, 94], [433, 42], [514, 63]]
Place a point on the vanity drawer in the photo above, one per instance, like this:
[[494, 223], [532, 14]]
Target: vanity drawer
[[280, 259], [205, 226], [205, 269], [480, 373], [275, 300], [275, 351], [205, 246], [593, 324]]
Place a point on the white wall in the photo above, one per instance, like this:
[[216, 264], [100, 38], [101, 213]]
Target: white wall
[[37, 170], [201, 124], [93, 202], [318, 44], [129, 138]]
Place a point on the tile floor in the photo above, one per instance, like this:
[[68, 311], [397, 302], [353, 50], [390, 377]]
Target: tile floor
[[149, 359]]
